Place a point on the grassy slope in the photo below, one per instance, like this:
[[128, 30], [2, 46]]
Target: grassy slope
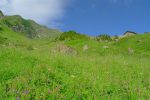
[[28, 28], [97, 73]]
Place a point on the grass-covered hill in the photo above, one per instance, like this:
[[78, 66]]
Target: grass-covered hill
[[81, 68], [28, 28]]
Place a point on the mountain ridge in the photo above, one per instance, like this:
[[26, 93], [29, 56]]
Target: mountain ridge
[[29, 28]]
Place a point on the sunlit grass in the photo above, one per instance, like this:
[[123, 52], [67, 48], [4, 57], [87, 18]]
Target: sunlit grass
[[96, 74]]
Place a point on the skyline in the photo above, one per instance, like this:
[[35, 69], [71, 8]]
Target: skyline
[[113, 17], [92, 17]]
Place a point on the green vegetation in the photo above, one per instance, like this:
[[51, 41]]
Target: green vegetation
[[28, 28], [2, 39], [75, 68], [103, 37], [72, 35]]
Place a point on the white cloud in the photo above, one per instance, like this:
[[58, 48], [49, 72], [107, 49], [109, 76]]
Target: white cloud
[[3, 2], [42, 11]]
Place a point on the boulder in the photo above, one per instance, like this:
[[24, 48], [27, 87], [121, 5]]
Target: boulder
[[129, 33], [130, 50], [64, 49], [85, 47]]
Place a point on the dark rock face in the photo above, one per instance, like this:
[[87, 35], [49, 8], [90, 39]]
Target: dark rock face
[[1, 14]]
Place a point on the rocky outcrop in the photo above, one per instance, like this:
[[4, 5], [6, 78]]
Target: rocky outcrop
[[1, 14], [28, 28], [64, 49], [129, 33]]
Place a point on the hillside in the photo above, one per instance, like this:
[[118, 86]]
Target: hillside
[[28, 28], [73, 67]]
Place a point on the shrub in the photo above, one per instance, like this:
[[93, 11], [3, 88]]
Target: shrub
[[1, 28], [2, 39], [115, 38], [30, 48], [71, 35], [103, 37]]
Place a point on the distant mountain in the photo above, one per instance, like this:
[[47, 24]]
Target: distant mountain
[[28, 28]]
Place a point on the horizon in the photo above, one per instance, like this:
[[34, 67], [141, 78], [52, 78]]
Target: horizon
[[92, 17]]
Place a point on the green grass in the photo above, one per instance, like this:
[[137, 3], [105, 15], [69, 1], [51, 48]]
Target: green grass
[[28, 28], [95, 74]]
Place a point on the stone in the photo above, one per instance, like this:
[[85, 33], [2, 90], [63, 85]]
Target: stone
[[130, 50], [129, 33], [61, 48], [105, 47], [85, 47]]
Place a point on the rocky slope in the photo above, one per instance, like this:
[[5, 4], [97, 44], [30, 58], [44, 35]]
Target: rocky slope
[[28, 28]]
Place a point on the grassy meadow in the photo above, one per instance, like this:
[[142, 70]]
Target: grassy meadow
[[44, 69]]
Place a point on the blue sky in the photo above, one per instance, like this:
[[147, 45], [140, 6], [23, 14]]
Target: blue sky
[[92, 17], [108, 16]]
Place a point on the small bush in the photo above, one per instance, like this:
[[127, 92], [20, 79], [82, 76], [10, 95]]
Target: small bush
[[30, 48], [72, 35], [1, 28], [103, 37], [2, 39], [116, 37]]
